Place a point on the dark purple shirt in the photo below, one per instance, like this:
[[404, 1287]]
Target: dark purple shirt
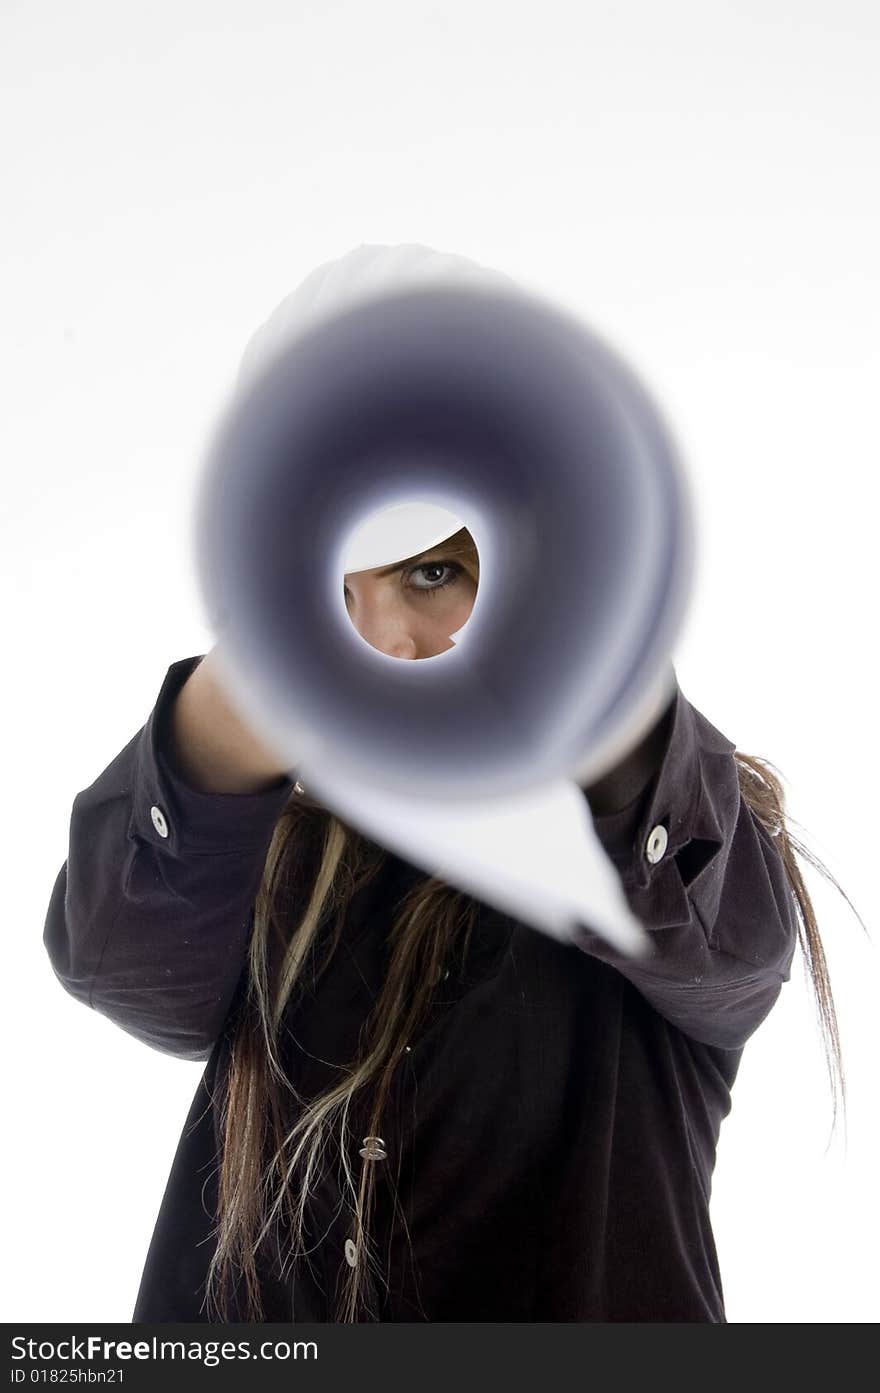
[[553, 1127]]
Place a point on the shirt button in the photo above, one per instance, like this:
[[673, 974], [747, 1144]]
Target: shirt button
[[159, 822], [373, 1149], [656, 844], [351, 1253]]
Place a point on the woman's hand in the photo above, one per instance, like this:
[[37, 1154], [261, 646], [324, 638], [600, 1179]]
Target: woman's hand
[[622, 784], [213, 747]]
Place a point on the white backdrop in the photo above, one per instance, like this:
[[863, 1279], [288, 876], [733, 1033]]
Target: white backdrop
[[699, 181]]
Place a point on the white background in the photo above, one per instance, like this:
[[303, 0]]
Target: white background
[[699, 181]]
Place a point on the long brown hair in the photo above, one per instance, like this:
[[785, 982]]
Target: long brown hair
[[267, 1169]]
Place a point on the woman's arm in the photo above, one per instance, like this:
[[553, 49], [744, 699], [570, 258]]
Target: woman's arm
[[151, 913], [706, 879]]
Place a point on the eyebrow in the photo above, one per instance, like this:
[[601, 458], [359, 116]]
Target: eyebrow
[[389, 570], [402, 565], [429, 556]]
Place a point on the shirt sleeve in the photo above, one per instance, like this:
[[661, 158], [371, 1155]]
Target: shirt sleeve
[[707, 880], [151, 913]]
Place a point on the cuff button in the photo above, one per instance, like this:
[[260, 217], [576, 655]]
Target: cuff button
[[159, 822], [656, 843]]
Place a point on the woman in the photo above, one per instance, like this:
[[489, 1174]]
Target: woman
[[415, 1107]]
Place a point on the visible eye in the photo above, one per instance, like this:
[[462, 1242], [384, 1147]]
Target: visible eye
[[449, 573]]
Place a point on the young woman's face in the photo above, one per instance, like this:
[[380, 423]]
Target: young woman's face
[[410, 609]]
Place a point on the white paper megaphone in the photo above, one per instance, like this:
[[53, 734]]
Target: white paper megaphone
[[506, 415]]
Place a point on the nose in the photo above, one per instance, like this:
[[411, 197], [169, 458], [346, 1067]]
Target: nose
[[396, 645], [387, 633]]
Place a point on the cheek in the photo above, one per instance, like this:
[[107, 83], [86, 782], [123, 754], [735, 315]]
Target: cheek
[[450, 611]]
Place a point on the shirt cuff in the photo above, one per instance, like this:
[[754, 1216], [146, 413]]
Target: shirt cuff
[[666, 836], [169, 813]]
